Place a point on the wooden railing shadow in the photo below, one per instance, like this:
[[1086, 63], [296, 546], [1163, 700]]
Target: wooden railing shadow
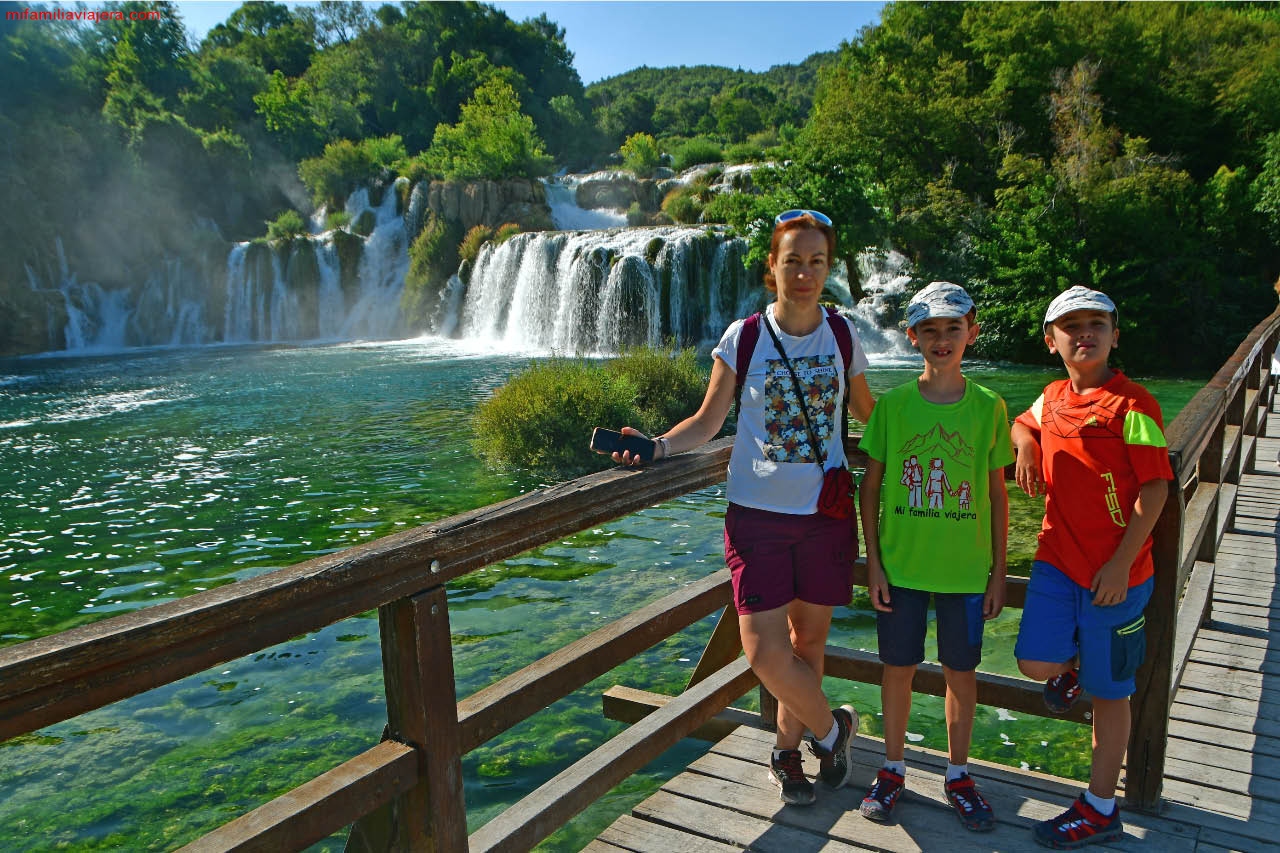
[[406, 793]]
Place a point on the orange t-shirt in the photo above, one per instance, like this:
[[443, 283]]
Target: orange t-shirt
[[1097, 450]]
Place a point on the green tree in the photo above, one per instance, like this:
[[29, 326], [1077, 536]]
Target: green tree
[[640, 154], [492, 139]]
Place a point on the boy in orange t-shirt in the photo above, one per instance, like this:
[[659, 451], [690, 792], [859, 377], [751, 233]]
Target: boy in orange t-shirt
[[1093, 443]]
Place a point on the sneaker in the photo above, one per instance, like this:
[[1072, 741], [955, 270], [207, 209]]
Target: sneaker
[[878, 804], [1079, 825], [836, 767], [974, 811], [1062, 691], [787, 772]]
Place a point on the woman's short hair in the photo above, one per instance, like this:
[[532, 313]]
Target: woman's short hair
[[799, 223]]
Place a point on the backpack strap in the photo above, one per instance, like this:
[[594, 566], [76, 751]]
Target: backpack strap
[[746, 346], [844, 340]]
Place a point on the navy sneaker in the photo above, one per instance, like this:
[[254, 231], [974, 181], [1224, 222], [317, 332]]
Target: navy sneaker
[[974, 812], [1062, 691], [1079, 825], [787, 772], [836, 766], [878, 804]]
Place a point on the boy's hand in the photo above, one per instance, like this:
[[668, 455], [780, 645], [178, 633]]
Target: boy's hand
[[878, 587], [993, 601], [1111, 584], [1027, 470]]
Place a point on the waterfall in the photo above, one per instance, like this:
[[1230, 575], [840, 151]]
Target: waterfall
[[566, 215], [597, 291]]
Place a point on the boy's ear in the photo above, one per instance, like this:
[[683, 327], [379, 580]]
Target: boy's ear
[[911, 336], [1048, 341], [974, 328]]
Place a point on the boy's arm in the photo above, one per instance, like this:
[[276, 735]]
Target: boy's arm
[[869, 504], [1111, 583], [993, 601], [1027, 471]]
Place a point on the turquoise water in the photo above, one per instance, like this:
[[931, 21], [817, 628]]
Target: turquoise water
[[128, 480]]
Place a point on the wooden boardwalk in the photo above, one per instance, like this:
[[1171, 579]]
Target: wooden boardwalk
[[1222, 774]]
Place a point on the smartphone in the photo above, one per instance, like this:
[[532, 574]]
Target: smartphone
[[609, 441]]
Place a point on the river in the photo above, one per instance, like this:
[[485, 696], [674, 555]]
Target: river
[[134, 478]]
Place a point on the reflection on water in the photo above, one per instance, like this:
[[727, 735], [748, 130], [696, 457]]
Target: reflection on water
[[130, 480]]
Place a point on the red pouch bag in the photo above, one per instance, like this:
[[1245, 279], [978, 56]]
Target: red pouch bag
[[836, 498]]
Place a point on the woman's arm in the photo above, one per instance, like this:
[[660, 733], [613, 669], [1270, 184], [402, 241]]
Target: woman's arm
[[860, 400], [699, 428]]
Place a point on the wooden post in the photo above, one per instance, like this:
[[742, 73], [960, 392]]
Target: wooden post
[[768, 710], [422, 711], [1149, 706], [723, 647]]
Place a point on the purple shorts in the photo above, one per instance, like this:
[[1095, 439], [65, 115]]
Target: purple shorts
[[776, 558]]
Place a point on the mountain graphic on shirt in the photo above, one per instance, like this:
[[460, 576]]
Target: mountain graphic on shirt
[[938, 442]]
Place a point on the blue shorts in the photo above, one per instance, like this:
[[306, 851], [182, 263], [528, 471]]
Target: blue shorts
[[901, 633], [1060, 621]]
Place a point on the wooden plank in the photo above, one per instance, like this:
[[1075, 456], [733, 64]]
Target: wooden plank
[[1241, 683], [735, 777], [1209, 733], [734, 828], [1217, 841], [1154, 693], [54, 678], [1250, 709], [1262, 815], [1244, 772], [639, 836], [629, 705], [1199, 516], [997, 691], [494, 709], [1192, 611], [724, 645], [317, 809], [533, 818]]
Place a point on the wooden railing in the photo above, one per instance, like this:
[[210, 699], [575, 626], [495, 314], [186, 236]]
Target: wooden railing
[[406, 793]]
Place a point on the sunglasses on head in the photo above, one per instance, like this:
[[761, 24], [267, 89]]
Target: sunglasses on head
[[788, 215]]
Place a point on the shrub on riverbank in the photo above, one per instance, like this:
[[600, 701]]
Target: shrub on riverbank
[[542, 418]]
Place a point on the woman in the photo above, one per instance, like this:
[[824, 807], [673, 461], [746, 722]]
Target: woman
[[790, 564]]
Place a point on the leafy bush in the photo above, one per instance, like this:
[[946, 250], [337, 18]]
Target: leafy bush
[[542, 418], [636, 215], [683, 204], [744, 152], [337, 219], [469, 249], [505, 232], [433, 259], [695, 152], [286, 226], [640, 155]]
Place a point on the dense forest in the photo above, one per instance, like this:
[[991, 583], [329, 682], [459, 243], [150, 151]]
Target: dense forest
[[1013, 147]]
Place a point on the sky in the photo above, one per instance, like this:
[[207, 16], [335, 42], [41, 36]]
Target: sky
[[608, 38]]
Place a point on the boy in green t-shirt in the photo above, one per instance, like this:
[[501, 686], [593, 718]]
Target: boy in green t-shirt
[[938, 526]]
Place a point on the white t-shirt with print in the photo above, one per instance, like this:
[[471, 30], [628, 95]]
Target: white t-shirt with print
[[773, 462]]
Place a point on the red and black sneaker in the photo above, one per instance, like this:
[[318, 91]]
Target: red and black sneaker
[[1079, 825], [1062, 691], [974, 811], [787, 772], [878, 804]]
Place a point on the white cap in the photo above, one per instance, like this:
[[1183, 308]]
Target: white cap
[[1079, 298], [939, 299]]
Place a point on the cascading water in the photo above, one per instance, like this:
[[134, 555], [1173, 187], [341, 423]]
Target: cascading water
[[599, 291], [566, 215]]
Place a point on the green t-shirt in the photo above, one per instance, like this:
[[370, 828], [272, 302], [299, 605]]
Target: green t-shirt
[[935, 506]]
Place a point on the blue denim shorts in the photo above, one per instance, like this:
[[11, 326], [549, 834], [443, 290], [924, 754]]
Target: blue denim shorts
[[901, 632], [1060, 621]]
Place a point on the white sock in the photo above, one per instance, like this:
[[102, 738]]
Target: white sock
[[899, 766], [1106, 807], [829, 742], [955, 771]]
